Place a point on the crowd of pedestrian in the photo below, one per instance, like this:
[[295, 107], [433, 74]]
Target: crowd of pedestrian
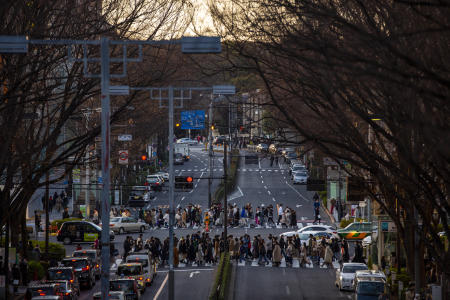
[[194, 216], [199, 249]]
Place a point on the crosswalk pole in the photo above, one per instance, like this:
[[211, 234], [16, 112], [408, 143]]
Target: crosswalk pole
[[171, 197]]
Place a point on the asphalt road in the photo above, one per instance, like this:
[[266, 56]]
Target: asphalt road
[[257, 184]]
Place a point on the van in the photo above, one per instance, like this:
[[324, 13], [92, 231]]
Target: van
[[369, 285], [80, 232], [147, 263]]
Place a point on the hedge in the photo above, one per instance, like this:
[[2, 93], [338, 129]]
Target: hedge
[[36, 270], [221, 281], [55, 251], [57, 223]]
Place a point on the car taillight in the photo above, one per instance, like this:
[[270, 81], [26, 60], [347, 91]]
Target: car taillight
[[111, 225], [85, 268], [97, 265], [148, 279], [140, 278], [67, 294], [58, 232], [42, 294], [157, 183], [71, 280]]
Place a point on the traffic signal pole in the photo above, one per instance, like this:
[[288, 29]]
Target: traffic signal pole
[[225, 204], [210, 154]]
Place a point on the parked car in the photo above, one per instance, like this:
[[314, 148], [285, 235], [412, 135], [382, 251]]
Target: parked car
[[64, 273], [93, 255], [147, 263], [291, 156], [346, 274], [83, 269], [220, 140], [133, 270], [127, 285], [127, 224], [296, 168], [300, 177], [356, 231], [79, 232]]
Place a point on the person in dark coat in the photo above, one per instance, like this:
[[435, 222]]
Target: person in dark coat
[[345, 254]]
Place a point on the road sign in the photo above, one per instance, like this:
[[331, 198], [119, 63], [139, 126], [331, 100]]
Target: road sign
[[119, 90], [76, 175], [224, 90], [123, 157], [125, 137], [201, 44], [193, 119]]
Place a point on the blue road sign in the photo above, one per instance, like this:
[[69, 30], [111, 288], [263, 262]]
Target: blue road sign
[[193, 119]]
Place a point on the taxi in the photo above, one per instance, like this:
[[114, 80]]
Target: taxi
[[147, 263], [355, 231], [133, 270]]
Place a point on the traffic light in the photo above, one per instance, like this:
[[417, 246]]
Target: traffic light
[[177, 124], [184, 182], [144, 157], [212, 127]]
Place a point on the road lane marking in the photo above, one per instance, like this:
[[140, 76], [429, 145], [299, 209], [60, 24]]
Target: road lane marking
[[193, 273], [161, 288], [259, 163], [265, 187], [183, 198], [288, 292], [262, 181], [297, 192], [273, 199], [269, 192], [192, 190]]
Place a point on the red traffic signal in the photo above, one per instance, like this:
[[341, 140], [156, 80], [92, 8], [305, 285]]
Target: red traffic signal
[[189, 179], [144, 157]]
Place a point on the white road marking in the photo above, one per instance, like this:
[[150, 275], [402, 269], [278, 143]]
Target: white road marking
[[161, 288], [265, 187], [195, 186], [183, 198], [297, 192], [299, 205], [193, 273], [259, 163], [184, 270], [273, 199], [288, 292], [189, 170], [262, 181], [192, 190], [268, 192]]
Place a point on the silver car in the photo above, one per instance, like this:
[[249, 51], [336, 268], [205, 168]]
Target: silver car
[[300, 177], [345, 275], [127, 224]]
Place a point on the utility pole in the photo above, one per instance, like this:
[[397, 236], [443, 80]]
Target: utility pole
[[210, 151], [47, 217], [171, 196], [225, 203]]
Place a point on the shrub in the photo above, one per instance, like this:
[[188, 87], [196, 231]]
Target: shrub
[[55, 250], [231, 178], [36, 270]]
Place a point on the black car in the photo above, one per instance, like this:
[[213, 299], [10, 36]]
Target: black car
[[93, 255], [64, 289], [49, 289], [84, 270], [79, 232], [64, 273]]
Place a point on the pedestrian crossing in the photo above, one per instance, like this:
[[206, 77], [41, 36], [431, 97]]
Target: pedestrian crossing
[[282, 171], [283, 264]]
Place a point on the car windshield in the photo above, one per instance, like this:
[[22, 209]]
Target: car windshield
[[61, 286], [89, 254], [292, 154], [178, 155], [137, 259], [42, 291], [60, 274], [300, 174], [129, 270], [304, 236], [353, 269], [121, 285], [370, 288], [75, 263], [152, 179], [114, 220]]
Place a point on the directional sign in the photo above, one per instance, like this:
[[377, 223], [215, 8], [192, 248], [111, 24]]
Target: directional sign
[[123, 157], [193, 119], [125, 137], [201, 44], [224, 90]]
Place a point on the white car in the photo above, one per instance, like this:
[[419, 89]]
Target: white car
[[164, 175], [127, 224], [326, 228], [144, 259], [346, 274], [300, 177], [113, 295], [187, 141]]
